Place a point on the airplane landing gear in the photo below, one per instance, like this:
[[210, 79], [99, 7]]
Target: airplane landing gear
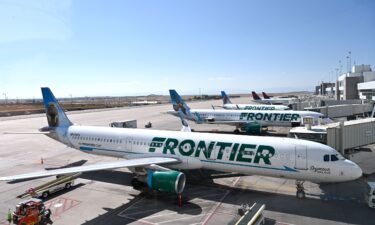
[[136, 183], [300, 190]]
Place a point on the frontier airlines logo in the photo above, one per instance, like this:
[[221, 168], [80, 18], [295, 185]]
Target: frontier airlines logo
[[282, 117], [249, 153]]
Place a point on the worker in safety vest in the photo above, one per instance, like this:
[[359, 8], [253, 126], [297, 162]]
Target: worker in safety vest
[[9, 218]]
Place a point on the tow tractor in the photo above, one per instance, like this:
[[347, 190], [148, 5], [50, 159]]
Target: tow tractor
[[31, 212]]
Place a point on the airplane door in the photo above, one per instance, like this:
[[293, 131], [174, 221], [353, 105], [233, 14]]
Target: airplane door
[[128, 144], [301, 157]]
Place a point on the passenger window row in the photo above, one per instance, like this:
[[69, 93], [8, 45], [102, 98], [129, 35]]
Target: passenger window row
[[96, 139], [140, 142]]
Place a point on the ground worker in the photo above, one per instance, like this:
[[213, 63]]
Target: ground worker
[[9, 218]]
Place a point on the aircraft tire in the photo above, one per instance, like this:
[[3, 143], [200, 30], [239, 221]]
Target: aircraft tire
[[45, 194], [135, 183], [300, 194]]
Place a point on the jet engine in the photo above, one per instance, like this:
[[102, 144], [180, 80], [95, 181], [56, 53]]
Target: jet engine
[[166, 181], [253, 128]]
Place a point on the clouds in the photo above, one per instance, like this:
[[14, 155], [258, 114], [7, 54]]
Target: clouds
[[27, 20]]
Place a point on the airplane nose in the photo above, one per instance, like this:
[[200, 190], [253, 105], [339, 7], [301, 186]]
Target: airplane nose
[[356, 172]]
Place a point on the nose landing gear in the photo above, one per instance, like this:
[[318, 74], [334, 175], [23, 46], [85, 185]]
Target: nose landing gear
[[300, 190]]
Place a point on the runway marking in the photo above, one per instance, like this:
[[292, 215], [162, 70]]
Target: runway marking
[[283, 223], [60, 205], [184, 218], [221, 201], [166, 214], [205, 200], [133, 213], [327, 197]]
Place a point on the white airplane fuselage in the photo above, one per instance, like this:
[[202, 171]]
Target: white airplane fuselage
[[267, 156], [280, 118], [254, 107], [276, 101]]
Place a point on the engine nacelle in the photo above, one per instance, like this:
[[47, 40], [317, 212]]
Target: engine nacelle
[[253, 128], [166, 181]]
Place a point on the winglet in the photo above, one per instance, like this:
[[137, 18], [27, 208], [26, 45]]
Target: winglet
[[225, 97]]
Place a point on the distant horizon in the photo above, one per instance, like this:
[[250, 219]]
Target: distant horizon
[[148, 95]]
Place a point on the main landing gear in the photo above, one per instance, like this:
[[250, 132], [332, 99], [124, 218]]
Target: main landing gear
[[136, 183], [300, 189]]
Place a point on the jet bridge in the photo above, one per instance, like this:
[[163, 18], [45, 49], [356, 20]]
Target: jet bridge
[[341, 136], [347, 110]]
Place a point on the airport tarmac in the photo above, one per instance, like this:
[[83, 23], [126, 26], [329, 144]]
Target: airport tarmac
[[107, 197]]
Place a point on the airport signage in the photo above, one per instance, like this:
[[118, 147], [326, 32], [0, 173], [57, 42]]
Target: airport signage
[[249, 153]]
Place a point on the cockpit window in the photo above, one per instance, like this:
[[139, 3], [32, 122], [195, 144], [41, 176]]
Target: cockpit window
[[340, 157], [326, 158], [334, 158]]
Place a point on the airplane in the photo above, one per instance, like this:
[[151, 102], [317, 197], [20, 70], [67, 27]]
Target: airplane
[[156, 156], [241, 119], [265, 96], [227, 104], [273, 101]]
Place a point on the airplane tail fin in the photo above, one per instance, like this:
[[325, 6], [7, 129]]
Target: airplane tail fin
[[265, 96], [56, 116], [225, 97], [179, 104], [255, 96]]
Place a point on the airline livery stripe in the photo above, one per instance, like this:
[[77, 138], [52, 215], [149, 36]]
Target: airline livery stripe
[[288, 169], [83, 148]]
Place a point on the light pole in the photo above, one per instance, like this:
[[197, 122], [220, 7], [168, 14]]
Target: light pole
[[5, 98]]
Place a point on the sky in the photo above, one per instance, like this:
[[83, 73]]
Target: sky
[[117, 48]]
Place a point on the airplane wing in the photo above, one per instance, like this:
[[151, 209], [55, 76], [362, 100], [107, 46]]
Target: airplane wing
[[94, 167], [31, 132]]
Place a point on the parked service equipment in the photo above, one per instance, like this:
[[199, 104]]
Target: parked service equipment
[[370, 194], [251, 215], [31, 211], [124, 124], [44, 190], [148, 125]]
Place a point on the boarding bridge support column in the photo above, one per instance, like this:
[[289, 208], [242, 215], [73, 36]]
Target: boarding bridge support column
[[341, 137]]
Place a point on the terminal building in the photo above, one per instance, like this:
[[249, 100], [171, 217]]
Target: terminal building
[[359, 83]]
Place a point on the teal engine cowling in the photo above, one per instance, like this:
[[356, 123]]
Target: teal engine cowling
[[166, 181], [253, 128]]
